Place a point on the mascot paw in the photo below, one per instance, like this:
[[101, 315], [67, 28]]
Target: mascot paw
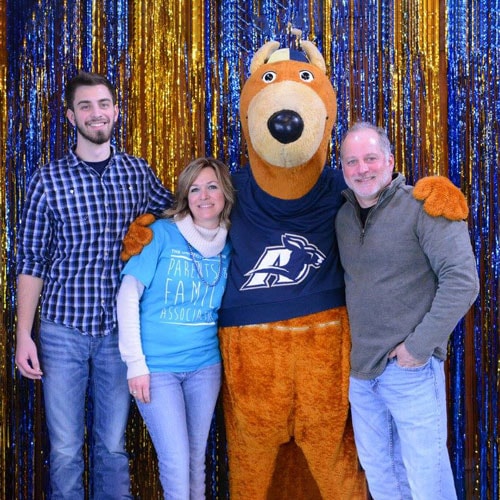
[[441, 198], [138, 236]]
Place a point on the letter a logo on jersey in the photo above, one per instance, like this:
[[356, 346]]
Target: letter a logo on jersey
[[287, 264]]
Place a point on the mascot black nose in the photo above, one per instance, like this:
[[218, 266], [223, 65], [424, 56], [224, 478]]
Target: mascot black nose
[[285, 126]]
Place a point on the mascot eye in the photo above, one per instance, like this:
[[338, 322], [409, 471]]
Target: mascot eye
[[269, 76], [306, 76]]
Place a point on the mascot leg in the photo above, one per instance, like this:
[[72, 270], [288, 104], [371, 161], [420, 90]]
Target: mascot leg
[[257, 402], [323, 429]]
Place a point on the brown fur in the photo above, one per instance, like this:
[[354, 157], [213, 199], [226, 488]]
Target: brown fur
[[138, 236], [279, 181], [441, 198], [286, 410]]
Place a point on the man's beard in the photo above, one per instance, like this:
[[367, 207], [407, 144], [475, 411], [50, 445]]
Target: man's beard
[[98, 137]]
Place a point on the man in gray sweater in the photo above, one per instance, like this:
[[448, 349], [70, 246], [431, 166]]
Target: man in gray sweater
[[410, 277]]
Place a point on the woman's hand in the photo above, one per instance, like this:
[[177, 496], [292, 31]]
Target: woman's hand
[[139, 388]]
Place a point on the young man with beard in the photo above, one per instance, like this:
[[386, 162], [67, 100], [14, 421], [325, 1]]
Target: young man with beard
[[76, 214]]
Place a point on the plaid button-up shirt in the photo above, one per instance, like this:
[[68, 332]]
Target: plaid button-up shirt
[[74, 221]]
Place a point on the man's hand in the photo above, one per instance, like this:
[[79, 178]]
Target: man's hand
[[441, 198], [139, 388], [28, 293], [404, 358], [138, 236], [27, 358]]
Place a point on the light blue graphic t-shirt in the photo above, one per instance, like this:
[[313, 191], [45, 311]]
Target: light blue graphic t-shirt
[[180, 303]]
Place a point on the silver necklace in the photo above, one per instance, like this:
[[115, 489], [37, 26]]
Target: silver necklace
[[198, 268]]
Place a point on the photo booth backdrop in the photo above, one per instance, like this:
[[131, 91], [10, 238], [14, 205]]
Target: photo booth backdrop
[[427, 71]]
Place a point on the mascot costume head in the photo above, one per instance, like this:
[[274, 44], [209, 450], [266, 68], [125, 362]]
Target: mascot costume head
[[288, 108]]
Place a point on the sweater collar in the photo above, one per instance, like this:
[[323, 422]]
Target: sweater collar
[[209, 242]]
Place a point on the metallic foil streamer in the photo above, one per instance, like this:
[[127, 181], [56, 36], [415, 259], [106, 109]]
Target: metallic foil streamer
[[426, 71], [166, 114], [473, 51], [6, 319]]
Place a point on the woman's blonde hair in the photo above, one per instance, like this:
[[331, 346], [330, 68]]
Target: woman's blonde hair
[[186, 179]]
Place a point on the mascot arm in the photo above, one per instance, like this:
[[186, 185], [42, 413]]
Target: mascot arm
[[138, 236], [441, 198]]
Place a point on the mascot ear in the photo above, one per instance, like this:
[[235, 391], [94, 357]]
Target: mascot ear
[[313, 54], [441, 198], [262, 55]]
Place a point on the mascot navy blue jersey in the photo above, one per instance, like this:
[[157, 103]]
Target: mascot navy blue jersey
[[296, 248]]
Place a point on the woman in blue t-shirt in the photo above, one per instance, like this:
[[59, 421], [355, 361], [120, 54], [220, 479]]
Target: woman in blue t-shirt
[[167, 314]]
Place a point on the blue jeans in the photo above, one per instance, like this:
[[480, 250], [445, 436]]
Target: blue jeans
[[71, 362], [178, 419], [400, 429]]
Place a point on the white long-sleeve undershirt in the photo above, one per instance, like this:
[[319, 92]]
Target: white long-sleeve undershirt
[[129, 326]]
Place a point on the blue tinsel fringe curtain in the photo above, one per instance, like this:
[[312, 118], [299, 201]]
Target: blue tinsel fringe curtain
[[379, 76]]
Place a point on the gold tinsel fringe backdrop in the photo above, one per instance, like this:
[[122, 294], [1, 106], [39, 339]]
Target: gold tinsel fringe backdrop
[[426, 71], [166, 101]]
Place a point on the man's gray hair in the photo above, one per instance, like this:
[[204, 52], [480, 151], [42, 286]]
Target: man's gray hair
[[383, 140]]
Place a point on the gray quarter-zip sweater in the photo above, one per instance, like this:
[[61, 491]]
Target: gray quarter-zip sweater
[[409, 278]]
